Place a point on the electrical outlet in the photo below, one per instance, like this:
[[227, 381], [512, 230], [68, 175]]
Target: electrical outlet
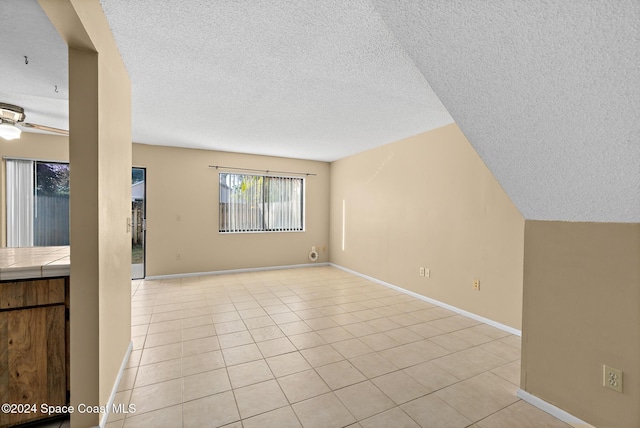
[[612, 378], [421, 271], [476, 284]]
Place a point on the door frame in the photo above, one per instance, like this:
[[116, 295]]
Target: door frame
[[144, 222]]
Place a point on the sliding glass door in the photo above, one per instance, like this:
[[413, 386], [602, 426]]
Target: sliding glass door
[[37, 203], [138, 220], [38, 207]]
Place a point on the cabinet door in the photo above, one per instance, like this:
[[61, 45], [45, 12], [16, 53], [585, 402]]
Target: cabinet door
[[32, 359]]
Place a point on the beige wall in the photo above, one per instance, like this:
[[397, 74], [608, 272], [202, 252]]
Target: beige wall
[[114, 212], [100, 202], [430, 201], [182, 213], [582, 310], [180, 183]]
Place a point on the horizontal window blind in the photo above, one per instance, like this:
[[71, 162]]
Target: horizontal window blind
[[255, 203], [20, 181]]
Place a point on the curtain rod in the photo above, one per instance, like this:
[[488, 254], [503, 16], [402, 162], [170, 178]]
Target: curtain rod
[[34, 159], [267, 171]]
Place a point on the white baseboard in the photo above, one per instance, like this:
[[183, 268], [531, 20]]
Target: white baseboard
[[523, 395], [558, 413], [222, 272], [112, 396], [476, 317]]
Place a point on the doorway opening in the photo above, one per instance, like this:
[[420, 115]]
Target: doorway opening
[[138, 222]]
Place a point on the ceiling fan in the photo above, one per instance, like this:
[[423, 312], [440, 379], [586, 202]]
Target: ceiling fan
[[11, 115]]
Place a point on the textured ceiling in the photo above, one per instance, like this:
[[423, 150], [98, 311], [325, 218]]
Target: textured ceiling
[[305, 79], [26, 31], [548, 92]]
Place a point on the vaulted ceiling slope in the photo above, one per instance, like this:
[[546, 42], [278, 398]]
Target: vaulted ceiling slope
[[548, 93]]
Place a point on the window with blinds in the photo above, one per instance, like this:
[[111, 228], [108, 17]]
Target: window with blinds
[[260, 203]]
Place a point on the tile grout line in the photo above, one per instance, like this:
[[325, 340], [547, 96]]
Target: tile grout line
[[308, 298]]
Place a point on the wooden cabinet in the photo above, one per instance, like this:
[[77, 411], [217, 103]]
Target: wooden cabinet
[[33, 346]]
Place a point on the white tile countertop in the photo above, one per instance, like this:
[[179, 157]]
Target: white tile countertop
[[33, 262]]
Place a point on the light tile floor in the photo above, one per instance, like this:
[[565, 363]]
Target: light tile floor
[[313, 347]]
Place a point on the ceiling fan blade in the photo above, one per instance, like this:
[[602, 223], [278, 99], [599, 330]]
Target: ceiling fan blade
[[45, 128]]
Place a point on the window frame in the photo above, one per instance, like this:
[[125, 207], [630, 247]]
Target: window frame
[[303, 202]]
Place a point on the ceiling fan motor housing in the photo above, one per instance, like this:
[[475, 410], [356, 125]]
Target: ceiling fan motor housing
[[11, 114]]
